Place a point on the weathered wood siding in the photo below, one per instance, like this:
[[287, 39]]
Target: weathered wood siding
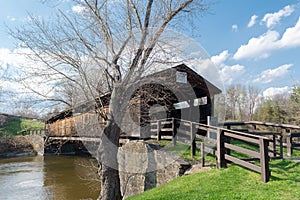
[[79, 124]]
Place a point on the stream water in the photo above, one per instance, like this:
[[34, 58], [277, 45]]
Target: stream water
[[49, 177]]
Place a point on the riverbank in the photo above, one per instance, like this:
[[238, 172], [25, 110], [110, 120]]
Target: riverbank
[[234, 182], [16, 146]]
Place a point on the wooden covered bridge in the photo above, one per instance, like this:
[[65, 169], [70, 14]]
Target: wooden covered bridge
[[171, 93], [263, 140]]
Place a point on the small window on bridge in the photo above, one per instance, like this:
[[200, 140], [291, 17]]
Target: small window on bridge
[[181, 105], [200, 101], [181, 77]]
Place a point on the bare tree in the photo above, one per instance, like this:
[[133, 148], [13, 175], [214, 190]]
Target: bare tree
[[232, 97], [253, 95], [118, 38], [241, 101]]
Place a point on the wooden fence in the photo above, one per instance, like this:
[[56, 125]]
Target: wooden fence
[[292, 142], [225, 142], [280, 134], [37, 132]]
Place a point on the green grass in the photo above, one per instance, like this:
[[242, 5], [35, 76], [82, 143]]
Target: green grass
[[233, 182], [20, 126]]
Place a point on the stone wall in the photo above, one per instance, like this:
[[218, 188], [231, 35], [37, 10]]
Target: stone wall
[[37, 142], [3, 119], [143, 166]]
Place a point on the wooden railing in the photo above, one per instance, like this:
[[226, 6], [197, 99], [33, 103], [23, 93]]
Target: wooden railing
[[292, 142], [280, 134], [188, 132], [276, 143], [37, 132], [224, 144]]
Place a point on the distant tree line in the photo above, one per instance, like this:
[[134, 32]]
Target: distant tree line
[[245, 103]]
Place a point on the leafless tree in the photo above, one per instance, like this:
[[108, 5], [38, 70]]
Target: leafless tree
[[253, 95], [232, 97], [241, 102], [120, 39]]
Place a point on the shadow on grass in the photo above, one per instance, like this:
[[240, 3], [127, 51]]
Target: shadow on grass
[[285, 169]]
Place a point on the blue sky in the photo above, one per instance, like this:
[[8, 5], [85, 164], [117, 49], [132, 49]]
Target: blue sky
[[263, 53], [252, 42]]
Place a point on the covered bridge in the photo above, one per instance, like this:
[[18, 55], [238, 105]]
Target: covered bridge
[[177, 92]]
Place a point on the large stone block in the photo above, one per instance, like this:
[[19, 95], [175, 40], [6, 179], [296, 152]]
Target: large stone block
[[143, 166]]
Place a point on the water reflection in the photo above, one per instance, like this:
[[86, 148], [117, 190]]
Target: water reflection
[[50, 177]]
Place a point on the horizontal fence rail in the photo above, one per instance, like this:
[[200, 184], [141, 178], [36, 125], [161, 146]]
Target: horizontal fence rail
[[292, 142], [280, 134], [219, 144]]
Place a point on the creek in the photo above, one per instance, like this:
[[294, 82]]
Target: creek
[[49, 177]]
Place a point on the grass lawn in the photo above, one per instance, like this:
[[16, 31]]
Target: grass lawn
[[20, 126], [233, 182]]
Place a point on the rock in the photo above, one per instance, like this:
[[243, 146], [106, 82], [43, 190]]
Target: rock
[[196, 169], [3, 119], [37, 142], [143, 166], [16, 146]]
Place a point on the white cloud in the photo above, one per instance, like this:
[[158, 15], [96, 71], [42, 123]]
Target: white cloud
[[291, 37], [4, 58], [264, 45], [11, 18], [78, 9], [17, 57], [234, 27], [231, 73], [260, 47], [207, 69], [270, 75], [272, 91], [221, 58], [252, 21], [16, 63], [271, 19]]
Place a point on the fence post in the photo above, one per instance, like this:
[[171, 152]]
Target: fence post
[[193, 139], [221, 162], [264, 160], [274, 146], [174, 131], [158, 130], [289, 147], [202, 154], [281, 145]]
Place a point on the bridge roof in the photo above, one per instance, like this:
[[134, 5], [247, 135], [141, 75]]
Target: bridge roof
[[181, 77]]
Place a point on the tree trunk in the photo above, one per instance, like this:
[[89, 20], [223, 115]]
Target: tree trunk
[[108, 148], [109, 173]]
